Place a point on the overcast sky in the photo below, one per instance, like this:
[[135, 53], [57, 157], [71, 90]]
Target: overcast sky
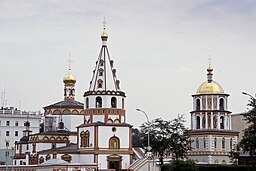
[[160, 49]]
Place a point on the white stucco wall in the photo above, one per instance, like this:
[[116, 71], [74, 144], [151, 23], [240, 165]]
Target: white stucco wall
[[105, 133]]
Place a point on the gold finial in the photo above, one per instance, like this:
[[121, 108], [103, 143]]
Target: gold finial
[[69, 79], [104, 35], [210, 69]]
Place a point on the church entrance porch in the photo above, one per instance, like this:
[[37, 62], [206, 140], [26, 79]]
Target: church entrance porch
[[114, 162]]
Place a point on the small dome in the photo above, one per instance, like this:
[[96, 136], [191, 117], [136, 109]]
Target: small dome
[[104, 36], [69, 79], [210, 88]]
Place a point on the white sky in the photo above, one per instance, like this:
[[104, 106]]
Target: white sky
[[160, 49]]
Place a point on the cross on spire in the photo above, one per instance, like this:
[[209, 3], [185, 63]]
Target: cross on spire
[[104, 23], [70, 61], [210, 61]]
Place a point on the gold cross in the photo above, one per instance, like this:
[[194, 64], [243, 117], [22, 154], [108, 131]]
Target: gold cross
[[210, 61], [104, 23], [69, 62]]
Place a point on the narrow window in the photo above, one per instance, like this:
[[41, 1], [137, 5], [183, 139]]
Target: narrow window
[[221, 122], [197, 104], [7, 144], [7, 123], [114, 143], [221, 105], [215, 142], [231, 144], [198, 122], [7, 133], [113, 102], [16, 133], [16, 123], [204, 142], [87, 103], [197, 143], [223, 143], [34, 147], [98, 101]]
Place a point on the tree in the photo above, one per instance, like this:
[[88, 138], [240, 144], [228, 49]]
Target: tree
[[136, 138], [167, 137], [248, 142]]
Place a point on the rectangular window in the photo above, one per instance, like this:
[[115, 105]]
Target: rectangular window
[[7, 133], [16, 133], [7, 144], [16, 123], [7, 123]]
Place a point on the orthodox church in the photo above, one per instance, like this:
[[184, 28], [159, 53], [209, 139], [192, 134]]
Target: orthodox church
[[211, 132], [85, 136]]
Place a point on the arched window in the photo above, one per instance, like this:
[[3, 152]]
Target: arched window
[[85, 138], [198, 122], [223, 143], [198, 104], [221, 104], [215, 142], [87, 103], [197, 142], [100, 72], [214, 121], [98, 101], [204, 142], [113, 102], [114, 143], [221, 122]]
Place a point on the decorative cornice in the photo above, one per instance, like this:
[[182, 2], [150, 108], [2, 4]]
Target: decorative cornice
[[108, 92]]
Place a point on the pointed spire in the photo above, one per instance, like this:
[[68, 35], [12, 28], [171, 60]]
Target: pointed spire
[[209, 70], [104, 76]]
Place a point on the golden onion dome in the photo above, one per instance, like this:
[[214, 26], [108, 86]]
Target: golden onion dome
[[104, 36], [211, 87], [69, 79]]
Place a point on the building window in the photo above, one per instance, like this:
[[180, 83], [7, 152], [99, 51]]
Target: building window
[[7, 144], [7, 133], [198, 122], [27, 147], [87, 103], [221, 122], [7, 123], [16, 123], [48, 157], [215, 142], [204, 142], [20, 162], [223, 143], [231, 144], [197, 104], [114, 143], [197, 143], [0, 123], [53, 145], [221, 105], [98, 101], [100, 83], [34, 147], [113, 102], [85, 138], [41, 159], [16, 133], [122, 103]]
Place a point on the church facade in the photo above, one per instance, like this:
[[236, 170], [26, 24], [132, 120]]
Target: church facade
[[89, 136], [212, 137]]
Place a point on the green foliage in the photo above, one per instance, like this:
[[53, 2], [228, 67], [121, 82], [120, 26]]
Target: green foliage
[[167, 137], [180, 165], [136, 138], [248, 142]]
